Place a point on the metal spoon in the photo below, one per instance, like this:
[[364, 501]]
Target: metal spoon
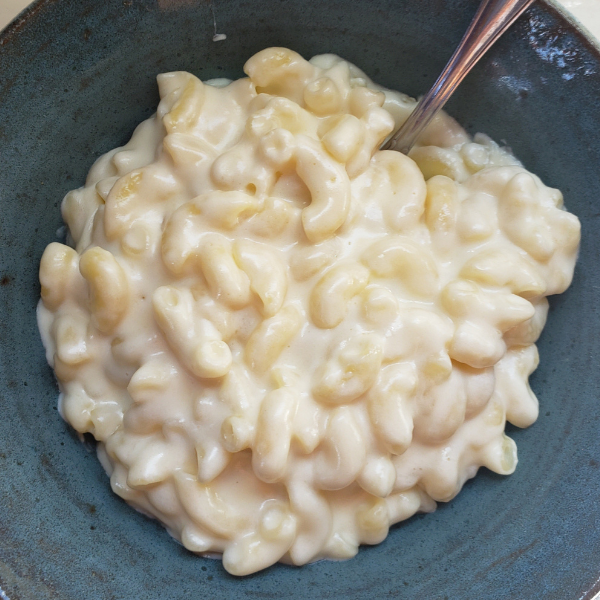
[[492, 19]]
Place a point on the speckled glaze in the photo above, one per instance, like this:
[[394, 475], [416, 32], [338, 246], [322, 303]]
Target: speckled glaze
[[75, 79]]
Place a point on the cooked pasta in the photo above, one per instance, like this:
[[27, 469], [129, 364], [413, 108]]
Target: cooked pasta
[[284, 339]]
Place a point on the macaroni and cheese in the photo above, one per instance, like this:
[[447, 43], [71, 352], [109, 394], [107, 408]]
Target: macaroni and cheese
[[284, 339]]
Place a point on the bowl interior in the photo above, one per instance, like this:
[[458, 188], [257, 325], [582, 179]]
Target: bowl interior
[[75, 79]]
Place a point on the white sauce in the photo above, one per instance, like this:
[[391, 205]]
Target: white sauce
[[284, 339]]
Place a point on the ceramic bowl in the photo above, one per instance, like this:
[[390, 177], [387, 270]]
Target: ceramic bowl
[[75, 79]]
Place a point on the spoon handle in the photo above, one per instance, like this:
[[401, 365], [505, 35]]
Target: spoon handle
[[492, 19]]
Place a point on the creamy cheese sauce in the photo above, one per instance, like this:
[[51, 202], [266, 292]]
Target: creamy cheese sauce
[[284, 339]]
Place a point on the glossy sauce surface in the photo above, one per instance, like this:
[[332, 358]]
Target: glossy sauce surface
[[284, 339]]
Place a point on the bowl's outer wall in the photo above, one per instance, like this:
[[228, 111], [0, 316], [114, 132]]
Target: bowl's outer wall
[[75, 79]]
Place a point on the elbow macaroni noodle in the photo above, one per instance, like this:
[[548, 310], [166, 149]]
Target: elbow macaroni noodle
[[285, 340]]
